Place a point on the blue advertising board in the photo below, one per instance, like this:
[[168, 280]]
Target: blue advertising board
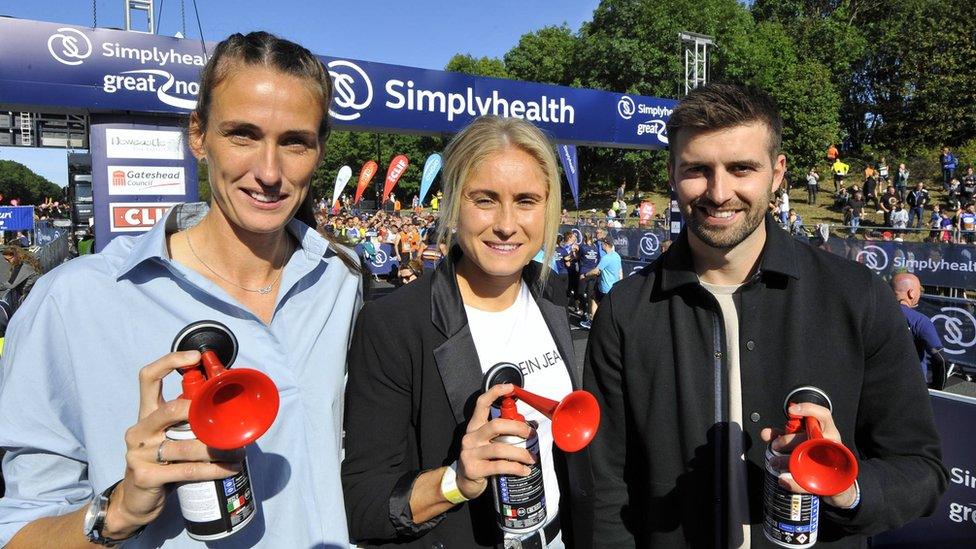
[[953, 524], [16, 218], [64, 66], [383, 262], [948, 265], [140, 168]]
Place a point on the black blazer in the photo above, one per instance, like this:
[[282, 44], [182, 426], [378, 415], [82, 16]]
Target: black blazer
[[414, 376]]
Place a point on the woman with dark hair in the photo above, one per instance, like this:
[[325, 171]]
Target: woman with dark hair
[[420, 448], [24, 272], [88, 460]]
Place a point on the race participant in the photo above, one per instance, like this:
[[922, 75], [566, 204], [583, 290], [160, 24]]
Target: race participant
[[691, 357], [419, 451], [588, 257], [86, 383]]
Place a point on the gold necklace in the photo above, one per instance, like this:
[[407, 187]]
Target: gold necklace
[[264, 290]]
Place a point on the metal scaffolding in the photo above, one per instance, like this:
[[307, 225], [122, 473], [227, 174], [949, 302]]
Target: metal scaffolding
[[696, 58], [139, 5]]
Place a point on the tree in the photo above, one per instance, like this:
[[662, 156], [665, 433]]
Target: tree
[[20, 182], [479, 66], [545, 56]]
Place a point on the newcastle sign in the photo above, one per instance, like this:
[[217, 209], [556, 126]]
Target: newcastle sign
[[64, 66]]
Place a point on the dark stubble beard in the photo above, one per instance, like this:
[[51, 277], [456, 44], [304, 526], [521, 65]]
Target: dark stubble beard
[[726, 238]]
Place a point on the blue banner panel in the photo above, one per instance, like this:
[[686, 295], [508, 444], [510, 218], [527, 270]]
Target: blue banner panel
[[641, 244], [953, 524], [955, 320], [383, 263], [56, 65], [949, 265], [140, 168], [16, 218]]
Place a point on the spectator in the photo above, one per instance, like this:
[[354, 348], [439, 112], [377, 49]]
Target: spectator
[[899, 217], [839, 170], [871, 188], [854, 212], [948, 162], [783, 205], [969, 186], [795, 223], [841, 198], [24, 272], [908, 292], [967, 223], [620, 191], [935, 222], [882, 169], [588, 258], [917, 200], [901, 178], [888, 204], [408, 272], [813, 185]]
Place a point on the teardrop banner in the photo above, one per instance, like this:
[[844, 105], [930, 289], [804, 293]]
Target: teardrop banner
[[342, 178], [567, 155], [366, 174], [431, 167], [397, 166]]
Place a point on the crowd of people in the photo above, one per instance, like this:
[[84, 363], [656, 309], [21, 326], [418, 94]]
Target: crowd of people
[[894, 201]]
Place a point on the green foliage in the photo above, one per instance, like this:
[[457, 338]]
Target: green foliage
[[765, 57], [545, 55], [18, 181], [203, 182], [481, 66]]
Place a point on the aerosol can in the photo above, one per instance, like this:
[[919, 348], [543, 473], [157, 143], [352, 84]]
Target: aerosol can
[[520, 502], [213, 509]]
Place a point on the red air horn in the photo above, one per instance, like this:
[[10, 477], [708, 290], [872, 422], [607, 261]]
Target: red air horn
[[575, 418], [229, 409], [820, 466]]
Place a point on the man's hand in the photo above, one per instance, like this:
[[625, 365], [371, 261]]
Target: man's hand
[[785, 443]]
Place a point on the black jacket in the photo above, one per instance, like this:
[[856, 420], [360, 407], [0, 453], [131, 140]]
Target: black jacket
[[656, 362], [414, 375]]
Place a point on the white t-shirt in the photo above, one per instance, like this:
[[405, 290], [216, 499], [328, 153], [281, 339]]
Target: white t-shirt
[[738, 519], [520, 335]]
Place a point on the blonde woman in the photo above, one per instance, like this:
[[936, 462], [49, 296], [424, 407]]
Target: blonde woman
[[419, 450]]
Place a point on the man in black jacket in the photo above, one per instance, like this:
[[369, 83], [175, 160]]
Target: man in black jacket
[[691, 359]]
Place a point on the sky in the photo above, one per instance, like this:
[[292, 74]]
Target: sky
[[418, 33]]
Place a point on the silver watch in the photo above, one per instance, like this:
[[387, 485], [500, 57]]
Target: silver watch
[[95, 520]]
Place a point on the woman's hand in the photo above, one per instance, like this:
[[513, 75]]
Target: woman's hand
[[480, 456], [152, 461], [785, 443]]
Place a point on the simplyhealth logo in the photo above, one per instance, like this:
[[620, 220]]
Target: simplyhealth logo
[[352, 89], [958, 329], [69, 46]]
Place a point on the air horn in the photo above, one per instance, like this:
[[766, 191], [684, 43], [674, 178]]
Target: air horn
[[520, 501], [229, 409], [819, 465], [575, 418]]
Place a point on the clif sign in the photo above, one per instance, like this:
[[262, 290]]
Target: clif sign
[[136, 217], [46, 64]]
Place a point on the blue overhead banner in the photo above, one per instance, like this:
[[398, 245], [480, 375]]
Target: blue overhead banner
[[56, 65], [16, 218]]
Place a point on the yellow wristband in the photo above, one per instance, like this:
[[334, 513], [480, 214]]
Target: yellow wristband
[[449, 487]]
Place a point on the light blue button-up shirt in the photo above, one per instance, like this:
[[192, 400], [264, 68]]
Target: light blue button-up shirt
[[69, 383]]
